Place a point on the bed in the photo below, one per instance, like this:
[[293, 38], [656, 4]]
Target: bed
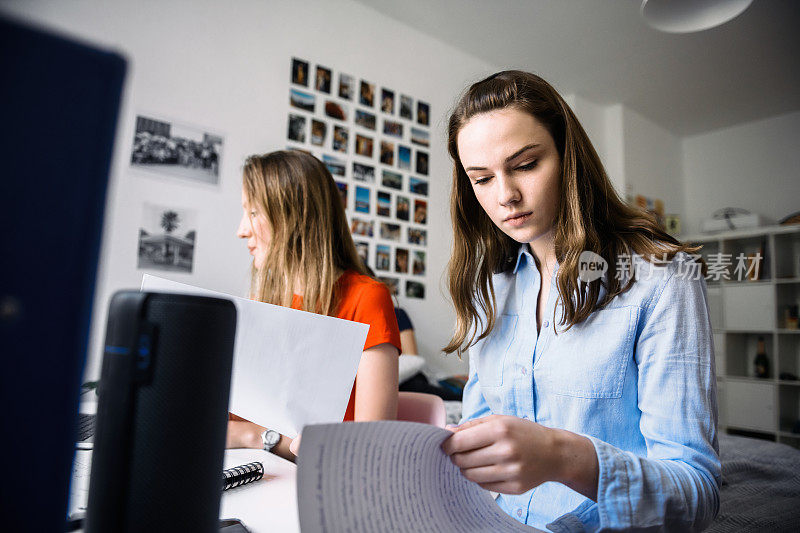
[[760, 486], [760, 483]]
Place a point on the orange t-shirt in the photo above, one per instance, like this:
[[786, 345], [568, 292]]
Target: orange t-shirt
[[365, 300]]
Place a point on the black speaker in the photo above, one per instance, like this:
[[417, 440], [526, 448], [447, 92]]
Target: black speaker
[[162, 414]]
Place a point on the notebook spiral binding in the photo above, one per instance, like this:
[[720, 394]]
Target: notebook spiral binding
[[241, 475]]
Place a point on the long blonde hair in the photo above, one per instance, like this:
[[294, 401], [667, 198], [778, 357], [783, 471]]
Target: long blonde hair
[[591, 216], [310, 240]]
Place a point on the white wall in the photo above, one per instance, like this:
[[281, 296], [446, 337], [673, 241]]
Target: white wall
[[603, 125], [652, 160], [640, 157], [753, 166], [225, 66]]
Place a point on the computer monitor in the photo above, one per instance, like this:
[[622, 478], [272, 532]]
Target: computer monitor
[[60, 101]]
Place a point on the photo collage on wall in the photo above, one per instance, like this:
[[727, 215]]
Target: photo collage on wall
[[375, 141], [167, 149]]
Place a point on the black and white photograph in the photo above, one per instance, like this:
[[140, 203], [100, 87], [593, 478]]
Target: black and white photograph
[[422, 113], [362, 227], [420, 137], [167, 238], [364, 145], [393, 284], [418, 268], [335, 110], [346, 86], [363, 173], [297, 128], [319, 131], [390, 232], [300, 72], [178, 150], [365, 119], [340, 136], [393, 128], [422, 163], [417, 236], [403, 208], [393, 180], [387, 153], [401, 260], [323, 80], [417, 186], [383, 257], [366, 94], [415, 289], [336, 166], [384, 204], [387, 101], [406, 107]]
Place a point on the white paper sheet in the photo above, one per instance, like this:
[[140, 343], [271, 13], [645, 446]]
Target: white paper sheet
[[389, 476], [290, 367]]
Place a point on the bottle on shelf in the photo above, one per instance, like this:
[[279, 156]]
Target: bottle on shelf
[[790, 317], [761, 362]]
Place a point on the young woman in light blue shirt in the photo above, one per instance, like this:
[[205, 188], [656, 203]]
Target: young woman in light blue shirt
[[591, 400]]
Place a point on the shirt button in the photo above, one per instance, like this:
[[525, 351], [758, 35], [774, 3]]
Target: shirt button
[[545, 324], [524, 371], [519, 513]]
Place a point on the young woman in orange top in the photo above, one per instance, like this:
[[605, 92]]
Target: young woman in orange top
[[304, 258]]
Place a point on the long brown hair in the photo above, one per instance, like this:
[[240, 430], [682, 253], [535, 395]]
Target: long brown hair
[[310, 240], [591, 216]]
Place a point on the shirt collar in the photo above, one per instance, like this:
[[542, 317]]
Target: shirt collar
[[524, 257]]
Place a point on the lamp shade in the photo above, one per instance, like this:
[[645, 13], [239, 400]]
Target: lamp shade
[[686, 16]]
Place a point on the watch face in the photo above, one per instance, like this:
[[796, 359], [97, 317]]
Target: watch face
[[270, 438]]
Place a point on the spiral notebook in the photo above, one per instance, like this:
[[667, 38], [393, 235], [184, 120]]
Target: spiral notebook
[[242, 475]]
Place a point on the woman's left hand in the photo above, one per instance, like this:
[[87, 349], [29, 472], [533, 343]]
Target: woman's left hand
[[294, 447], [505, 454]]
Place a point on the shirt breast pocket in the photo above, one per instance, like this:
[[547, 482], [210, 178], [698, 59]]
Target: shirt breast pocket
[[493, 349], [589, 360]]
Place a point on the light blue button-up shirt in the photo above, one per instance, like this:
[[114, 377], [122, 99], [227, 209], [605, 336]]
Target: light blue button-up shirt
[[636, 378]]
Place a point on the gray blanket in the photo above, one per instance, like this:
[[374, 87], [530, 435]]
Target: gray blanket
[[760, 483], [760, 486]]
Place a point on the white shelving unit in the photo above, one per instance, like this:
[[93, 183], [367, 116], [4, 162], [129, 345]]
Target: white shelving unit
[[743, 311]]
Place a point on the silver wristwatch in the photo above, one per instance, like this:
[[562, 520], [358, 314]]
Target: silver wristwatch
[[270, 438]]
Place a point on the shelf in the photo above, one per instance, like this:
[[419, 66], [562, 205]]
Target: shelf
[[741, 233], [743, 310], [748, 379], [746, 283], [735, 429]]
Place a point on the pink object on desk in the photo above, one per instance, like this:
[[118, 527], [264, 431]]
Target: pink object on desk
[[421, 407]]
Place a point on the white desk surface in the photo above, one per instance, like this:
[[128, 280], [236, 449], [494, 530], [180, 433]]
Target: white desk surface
[[269, 504], [266, 505]]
